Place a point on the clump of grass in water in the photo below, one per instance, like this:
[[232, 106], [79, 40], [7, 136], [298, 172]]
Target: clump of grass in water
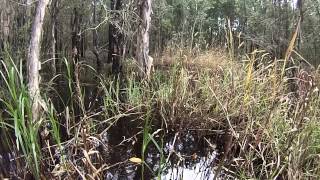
[[18, 108]]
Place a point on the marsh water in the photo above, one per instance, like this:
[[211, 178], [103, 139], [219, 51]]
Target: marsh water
[[186, 155], [190, 154]]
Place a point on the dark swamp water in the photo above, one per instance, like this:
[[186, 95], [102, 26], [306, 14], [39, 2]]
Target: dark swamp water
[[190, 154], [186, 155]]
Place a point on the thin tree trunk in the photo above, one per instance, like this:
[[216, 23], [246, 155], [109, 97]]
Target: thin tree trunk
[[76, 39], [33, 58], [54, 10], [193, 29], [286, 28], [82, 34], [114, 40], [27, 20], [143, 58], [300, 8], [95, 38], [7, 15], [28, 12]]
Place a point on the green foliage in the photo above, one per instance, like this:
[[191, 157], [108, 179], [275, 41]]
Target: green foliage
[[17, 104]]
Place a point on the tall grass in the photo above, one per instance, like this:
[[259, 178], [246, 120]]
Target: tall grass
[[272, 133], [17, 104]]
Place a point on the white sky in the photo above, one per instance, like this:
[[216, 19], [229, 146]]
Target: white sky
[[294, 3]]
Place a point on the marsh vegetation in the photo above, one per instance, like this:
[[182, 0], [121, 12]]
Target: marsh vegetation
[[141, 89]]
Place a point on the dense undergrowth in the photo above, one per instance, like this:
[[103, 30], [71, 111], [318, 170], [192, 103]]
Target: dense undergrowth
[[269, 118]]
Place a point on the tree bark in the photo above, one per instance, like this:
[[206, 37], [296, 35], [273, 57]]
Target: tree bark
[[76, 38], [28, 12], [33, 61], [95, 38], [114, 39], [7, 14], [54, 13], [300, 8], [143, 58]]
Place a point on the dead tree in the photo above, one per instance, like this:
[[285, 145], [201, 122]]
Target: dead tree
[[115, 38], [33, 61], [142, 52]]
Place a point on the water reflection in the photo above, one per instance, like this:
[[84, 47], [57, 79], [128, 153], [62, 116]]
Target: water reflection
[[198, 171]]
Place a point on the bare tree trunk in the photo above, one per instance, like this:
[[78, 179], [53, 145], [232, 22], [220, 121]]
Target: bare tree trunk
[[114, 39], [95, 38], [7, 14], [28, 11], [76, 38], [54, 13], [300, 8], [33, 58], [143, 58]]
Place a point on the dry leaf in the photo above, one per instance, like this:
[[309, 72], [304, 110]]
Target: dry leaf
[[136, 160]]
